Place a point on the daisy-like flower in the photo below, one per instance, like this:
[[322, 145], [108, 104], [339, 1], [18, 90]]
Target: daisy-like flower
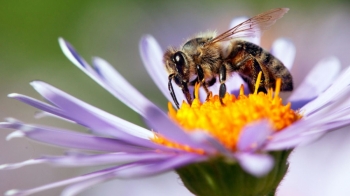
[[237, 149]]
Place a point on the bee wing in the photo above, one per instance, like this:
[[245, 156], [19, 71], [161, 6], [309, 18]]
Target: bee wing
[[252, 26]]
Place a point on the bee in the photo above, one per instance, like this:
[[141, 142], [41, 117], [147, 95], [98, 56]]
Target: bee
[[208, 57]]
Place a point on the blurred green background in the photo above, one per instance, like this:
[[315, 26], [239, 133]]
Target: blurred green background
[[112, 29]]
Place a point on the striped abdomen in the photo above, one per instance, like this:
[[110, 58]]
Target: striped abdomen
[[248, 60]]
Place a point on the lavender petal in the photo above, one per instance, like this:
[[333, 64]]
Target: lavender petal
[[284, 50], [107, 77], [121, 88], [103, 174], [80, 160], [255, 164], [94, 118], [161, 123], [148, 169], [330, 93], [308, 131], [69, 139], [254, 136], [311, 87], [152, 58], [81, 186]]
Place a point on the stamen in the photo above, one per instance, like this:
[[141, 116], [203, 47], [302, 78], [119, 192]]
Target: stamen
[[225, 122], [241, 90], [278, 87], [257, 83]]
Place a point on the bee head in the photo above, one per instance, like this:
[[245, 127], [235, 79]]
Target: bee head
[[177, 67]]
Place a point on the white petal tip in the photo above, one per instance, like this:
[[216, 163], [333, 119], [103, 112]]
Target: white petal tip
[[21, 164], [41, 115], [61, 42], [12, 192], [12, 95], [98, 61], [3, 166], [15, 134], [256, 164], [12, 120]]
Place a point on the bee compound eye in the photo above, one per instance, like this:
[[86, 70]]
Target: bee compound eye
[[179, 60]]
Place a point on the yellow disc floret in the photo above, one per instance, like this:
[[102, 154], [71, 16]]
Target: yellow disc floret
[[226, 121]]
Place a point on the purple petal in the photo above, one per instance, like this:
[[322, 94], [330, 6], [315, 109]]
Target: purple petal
[[292, 142], [330, 94], [102, 175], [79, 160], [161, 123], [148, 169], [254, 136], [152, 58], [308, 130], [140, 170], [317, 80], [96, 119], [74, 57], [38, 104], [108, 78], [69, 139], [285, 51], [213, 145], [255, 164], [121, 88], [90, 116], [81, 186]]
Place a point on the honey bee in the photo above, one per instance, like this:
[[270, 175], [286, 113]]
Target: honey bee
[[207, 57]]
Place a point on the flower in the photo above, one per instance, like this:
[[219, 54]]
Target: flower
[[259, 153]]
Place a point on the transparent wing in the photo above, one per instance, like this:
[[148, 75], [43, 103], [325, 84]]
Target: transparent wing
[[252, 26]]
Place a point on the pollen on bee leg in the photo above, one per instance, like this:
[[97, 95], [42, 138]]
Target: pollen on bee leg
[[196, 101], [241, 90]]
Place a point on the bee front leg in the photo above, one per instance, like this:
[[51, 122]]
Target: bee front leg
[[201, 80], [187, 93], [222, 79], [205, 84]]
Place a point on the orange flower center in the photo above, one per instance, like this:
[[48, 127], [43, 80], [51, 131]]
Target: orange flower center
[[225, 122]]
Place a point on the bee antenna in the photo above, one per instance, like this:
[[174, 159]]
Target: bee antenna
[[171, 90]]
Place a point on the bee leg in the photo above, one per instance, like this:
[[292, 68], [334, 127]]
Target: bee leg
[[193, 82], [172, 92], [255, 69], [209, 83], [200, 77], [186, 92], [264, 78], [222, 79]]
